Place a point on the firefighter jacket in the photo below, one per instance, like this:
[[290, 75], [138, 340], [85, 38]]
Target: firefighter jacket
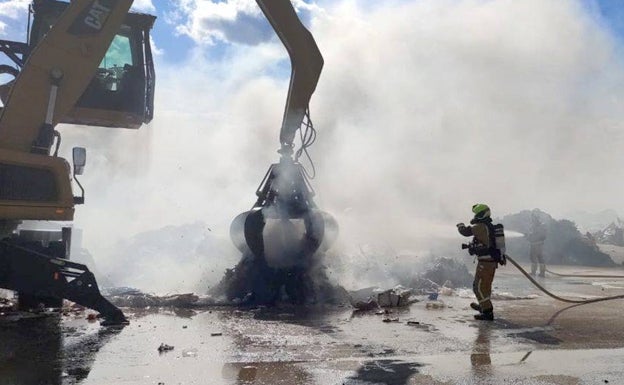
[[481, 244], [537, 236]]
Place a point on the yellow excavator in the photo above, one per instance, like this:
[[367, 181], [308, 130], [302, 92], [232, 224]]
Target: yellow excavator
[[85, 62], [89, 62]]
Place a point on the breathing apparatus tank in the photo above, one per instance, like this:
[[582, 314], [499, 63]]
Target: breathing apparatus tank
[[499, 238]]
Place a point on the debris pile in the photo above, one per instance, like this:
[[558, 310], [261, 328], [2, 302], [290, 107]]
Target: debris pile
[[373, 297], [441, 272], [564, 245], [252, 282], [611, 235]]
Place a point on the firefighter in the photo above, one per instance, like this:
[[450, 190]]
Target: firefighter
[[482, 246], [536, 239]]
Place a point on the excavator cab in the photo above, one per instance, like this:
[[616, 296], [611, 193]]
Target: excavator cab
[[121, 94]]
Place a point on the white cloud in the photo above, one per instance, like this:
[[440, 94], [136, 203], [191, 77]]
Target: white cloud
[[14, 9], [233, 21], [238, 21], [143, 6], [156, 50], [13, 16]]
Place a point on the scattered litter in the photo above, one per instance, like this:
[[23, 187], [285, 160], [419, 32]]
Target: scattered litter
[[413, 323], [435, 305], [216, 334], [433, 296], [445, 290], [399, 296], [189, 353], [92, 317], [390, 320], [372, 297], [184, 327], [164, 348]]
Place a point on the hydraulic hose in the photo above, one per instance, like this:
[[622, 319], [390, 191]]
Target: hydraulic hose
[[556, 296]]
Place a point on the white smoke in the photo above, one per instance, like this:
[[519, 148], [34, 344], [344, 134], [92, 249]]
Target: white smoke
[[423, 109]]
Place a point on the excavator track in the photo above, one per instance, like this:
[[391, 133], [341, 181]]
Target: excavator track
[[27, 268]]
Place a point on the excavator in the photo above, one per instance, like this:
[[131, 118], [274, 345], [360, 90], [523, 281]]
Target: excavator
[[89, 62], [86, 62]]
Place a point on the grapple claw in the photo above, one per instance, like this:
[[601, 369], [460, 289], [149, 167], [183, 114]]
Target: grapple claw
[[284, 228]]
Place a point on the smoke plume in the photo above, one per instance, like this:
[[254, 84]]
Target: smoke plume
[[423, 109]]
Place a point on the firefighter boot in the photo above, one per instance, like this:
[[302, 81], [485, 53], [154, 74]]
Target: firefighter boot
[[485, 316], [475, 306]]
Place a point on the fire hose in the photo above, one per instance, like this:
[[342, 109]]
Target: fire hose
[[584, 275], [600, 299]]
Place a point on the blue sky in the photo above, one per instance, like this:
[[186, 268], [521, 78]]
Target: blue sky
[[612, 12], [217, 25]]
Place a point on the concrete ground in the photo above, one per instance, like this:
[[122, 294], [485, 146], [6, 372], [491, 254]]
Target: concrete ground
[[532, 341]]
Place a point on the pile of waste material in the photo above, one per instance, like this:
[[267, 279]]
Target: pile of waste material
[[373, 297], [440, 272], [252, 282], [440, 275], [564, 245], [611, 235]]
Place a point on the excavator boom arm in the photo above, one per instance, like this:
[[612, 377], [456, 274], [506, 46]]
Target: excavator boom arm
[[305, 59]]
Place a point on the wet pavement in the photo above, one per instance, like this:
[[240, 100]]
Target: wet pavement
[[533, 341]]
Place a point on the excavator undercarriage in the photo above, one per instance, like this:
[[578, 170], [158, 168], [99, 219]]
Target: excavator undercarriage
[[40, 272]]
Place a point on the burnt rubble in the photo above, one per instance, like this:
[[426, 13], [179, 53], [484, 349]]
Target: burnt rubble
[[253, 282]]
